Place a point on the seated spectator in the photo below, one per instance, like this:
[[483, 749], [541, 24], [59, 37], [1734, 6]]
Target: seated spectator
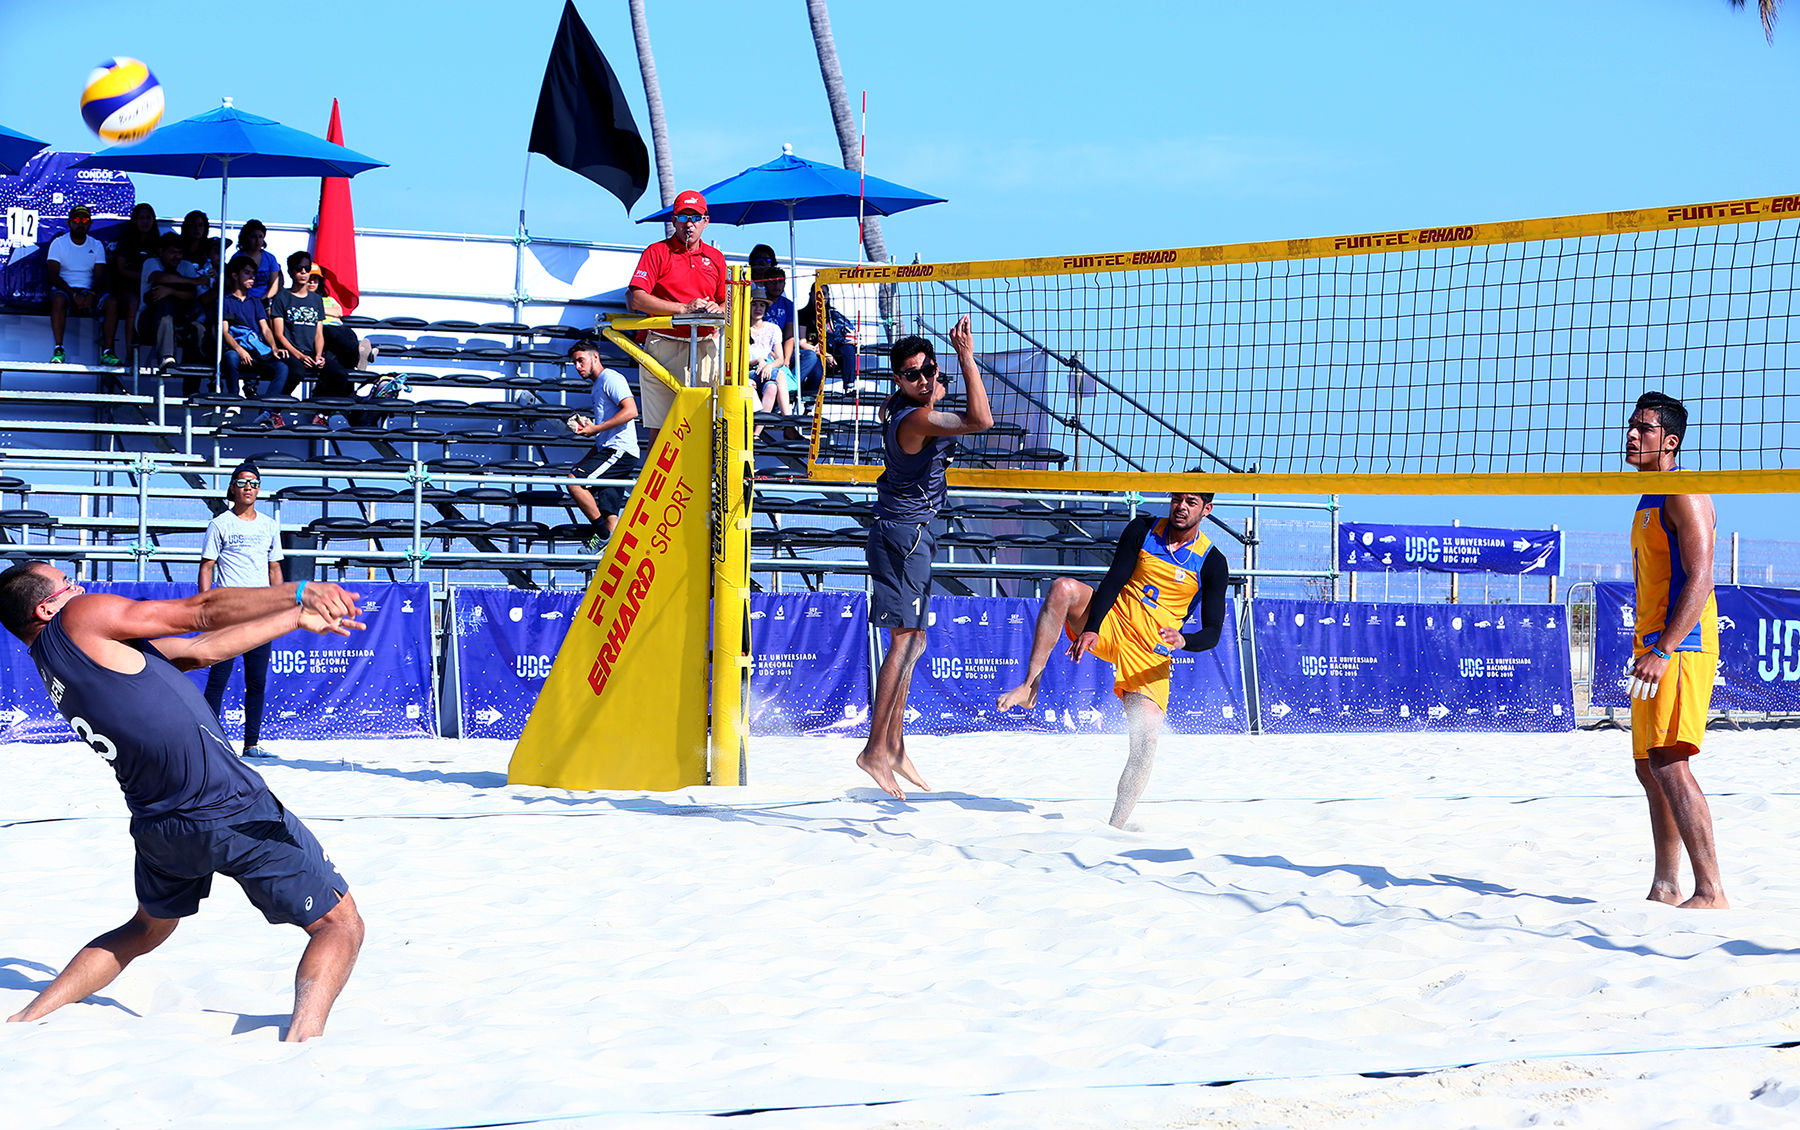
[[168, 307], [76, 273], [249, 343], [139, 243], [341, 341], [781, 313], [200, 261], [252, 238], [772, 380], [298, 319], [761, 258], [839, 345]]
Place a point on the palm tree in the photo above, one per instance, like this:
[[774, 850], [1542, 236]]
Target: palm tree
[[1768, 9], [873, 244], [659, 128]]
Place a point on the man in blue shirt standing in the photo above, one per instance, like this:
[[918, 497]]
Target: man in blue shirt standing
[[613, 427], [113, 668]]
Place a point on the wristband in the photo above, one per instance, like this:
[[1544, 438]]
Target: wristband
[[1658, 652], [300, 596]]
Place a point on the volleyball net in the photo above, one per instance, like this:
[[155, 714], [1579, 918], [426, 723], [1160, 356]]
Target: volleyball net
[[1496, 358]]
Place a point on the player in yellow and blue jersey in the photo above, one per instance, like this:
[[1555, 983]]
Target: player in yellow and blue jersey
[[1675, 654], [1161, 571]]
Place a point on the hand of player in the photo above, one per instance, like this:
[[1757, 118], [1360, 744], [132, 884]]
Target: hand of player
[[1085, 642], [1646, 675], [1173, 637], [325, 626], [962, 339], [329, 601]]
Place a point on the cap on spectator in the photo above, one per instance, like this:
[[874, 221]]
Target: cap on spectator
[[689, 201], [247, 467], [315, 269], [81, 211]]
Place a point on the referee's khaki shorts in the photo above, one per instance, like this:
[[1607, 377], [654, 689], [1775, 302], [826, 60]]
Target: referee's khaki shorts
[[654, 397]]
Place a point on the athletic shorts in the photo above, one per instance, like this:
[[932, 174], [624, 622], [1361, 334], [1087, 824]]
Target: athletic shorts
[[608, 463], [1676, 716], [655, 398], [1136, 669], [900, 571], [278, 862]]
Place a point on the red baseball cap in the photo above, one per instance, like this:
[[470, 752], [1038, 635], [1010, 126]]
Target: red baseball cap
[[689, 201]]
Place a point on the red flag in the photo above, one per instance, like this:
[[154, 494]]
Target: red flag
[[334, 242]]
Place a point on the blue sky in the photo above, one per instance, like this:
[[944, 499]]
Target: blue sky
[[1049, 129]]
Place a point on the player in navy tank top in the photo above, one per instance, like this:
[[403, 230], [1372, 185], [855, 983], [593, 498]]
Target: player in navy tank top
[[113, 667], [916, 440]]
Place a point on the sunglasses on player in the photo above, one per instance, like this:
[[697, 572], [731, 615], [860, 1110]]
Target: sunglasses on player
[[928, 370]]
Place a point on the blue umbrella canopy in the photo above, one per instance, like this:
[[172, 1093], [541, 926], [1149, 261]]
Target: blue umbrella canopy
[[793, 188], [16, 149], [228, 142]]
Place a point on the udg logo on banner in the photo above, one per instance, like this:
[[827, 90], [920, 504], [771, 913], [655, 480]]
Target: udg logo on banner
[[1777, 650]]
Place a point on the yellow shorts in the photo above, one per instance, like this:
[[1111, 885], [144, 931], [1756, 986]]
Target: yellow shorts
[[1136, 669], [1677, 715]]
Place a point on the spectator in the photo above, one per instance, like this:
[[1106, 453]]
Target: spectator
[[838, 344], [252, 238], [199, 252], [298, 319], [613, 427], [773, 381], [679, 275], [249, 343], [780, 314], [77, 273], [340, 340], [242, 551], [138, 244], [761, 258], [168, 305]]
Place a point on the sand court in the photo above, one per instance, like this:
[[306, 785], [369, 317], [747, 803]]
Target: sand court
[[1293, 911]]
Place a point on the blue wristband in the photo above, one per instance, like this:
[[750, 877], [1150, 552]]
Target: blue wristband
[[300, 596], [1659, 652]]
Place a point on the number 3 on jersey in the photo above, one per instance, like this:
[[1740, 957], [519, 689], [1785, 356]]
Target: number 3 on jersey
[[101, 744]]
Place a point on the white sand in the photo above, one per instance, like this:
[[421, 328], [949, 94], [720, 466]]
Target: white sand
[[1291, 911]]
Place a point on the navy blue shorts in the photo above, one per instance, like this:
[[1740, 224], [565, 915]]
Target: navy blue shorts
[[608, 463], [900, 556], [280, 865]]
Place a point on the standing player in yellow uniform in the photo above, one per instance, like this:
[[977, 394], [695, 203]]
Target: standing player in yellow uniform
[[1675, 654], [1160, 571]]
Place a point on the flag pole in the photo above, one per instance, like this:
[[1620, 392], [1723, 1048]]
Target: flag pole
[[519, 241]]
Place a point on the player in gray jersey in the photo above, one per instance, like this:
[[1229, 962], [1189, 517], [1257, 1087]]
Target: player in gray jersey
[[113, 668]]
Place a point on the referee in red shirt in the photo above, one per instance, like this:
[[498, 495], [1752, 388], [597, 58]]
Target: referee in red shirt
[[682, 274]]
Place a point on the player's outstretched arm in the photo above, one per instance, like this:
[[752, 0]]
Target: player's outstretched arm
[[976, 415], [101, 617], [208, 648]]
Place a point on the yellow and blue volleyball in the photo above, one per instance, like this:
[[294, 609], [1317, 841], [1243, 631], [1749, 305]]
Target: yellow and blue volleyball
[[122, 101]]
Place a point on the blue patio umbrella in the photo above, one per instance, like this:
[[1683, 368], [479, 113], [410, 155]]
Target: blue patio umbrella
[[16, 149], [226, 143], [792, 188]]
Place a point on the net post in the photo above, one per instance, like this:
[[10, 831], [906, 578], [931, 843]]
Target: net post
[[733, 463]]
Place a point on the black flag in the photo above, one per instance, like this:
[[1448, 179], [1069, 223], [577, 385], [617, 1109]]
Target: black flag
[[583, 122]]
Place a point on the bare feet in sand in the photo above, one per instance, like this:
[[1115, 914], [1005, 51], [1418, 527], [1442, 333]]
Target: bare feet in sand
[[1025, 694], [1707, 902], [877, 767], [1665, 893], [907, 769]]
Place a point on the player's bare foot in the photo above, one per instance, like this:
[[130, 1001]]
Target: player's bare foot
[[907, 769], [878, 768], [1707, 902], [1025, 694], [1665, 893]]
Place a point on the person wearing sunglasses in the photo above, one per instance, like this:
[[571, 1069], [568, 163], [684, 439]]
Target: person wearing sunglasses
[[682, 274], [916, 438], [113, 667], [243, 550]]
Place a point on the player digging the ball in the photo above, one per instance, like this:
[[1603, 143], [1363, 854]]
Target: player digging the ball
[[113, 667], [1161, 570]]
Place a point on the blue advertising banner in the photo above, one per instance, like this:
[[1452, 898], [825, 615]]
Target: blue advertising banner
[[811, 673], [375, 684], [1759, 647], [977, 648], [505, 641], [1339, 666], [34, 207], [1366, 547]]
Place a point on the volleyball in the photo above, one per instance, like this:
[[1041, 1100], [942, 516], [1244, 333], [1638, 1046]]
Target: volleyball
[[122, 101]]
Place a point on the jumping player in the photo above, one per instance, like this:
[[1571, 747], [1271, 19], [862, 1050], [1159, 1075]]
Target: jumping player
[[113, 668], [916, 439], [1675, 650], [1160, 571]]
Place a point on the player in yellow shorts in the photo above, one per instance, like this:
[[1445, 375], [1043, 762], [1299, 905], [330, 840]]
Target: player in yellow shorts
[[1675, 652], [1161, 570]]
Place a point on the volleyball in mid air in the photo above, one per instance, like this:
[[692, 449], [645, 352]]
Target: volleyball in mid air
[[122, 101]]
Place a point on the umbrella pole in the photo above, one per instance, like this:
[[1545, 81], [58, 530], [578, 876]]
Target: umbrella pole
[[794, 319], [219, 282]]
